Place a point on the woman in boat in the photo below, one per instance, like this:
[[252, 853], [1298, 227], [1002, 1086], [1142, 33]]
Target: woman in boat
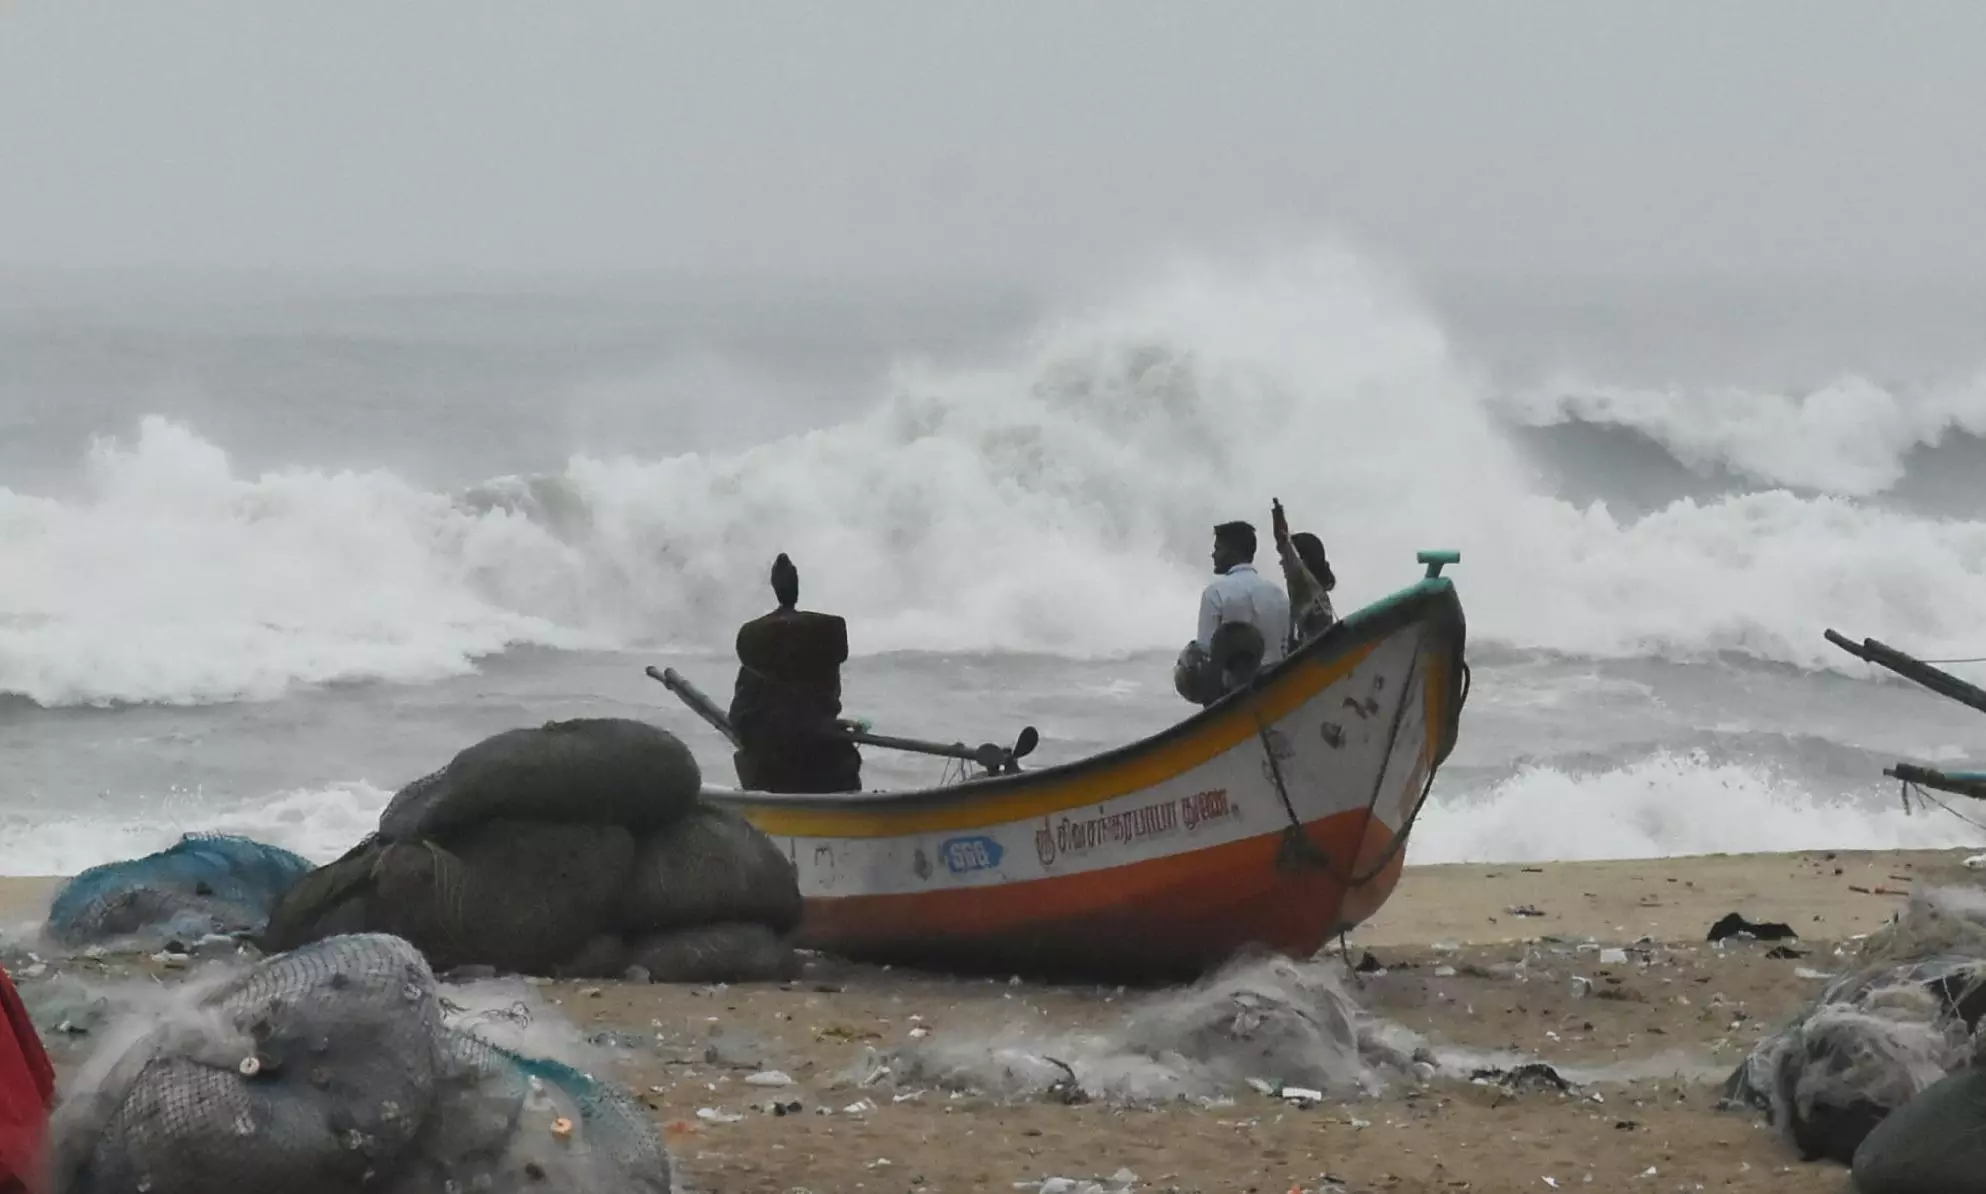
[[1308, 577]]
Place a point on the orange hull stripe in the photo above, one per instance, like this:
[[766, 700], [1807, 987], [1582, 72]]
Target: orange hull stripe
[[1211, 901]]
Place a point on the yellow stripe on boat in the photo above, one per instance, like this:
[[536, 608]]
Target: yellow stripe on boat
[[1222, 733]]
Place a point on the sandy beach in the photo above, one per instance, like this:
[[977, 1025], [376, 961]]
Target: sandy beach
[[392, 399], [1644, 1041]]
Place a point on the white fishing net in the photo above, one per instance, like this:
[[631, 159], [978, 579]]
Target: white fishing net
[[1260, 1020], [335, 1069], [1898, 1019]]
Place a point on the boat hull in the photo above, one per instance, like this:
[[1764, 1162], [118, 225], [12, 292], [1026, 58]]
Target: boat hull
[[1276, 818]]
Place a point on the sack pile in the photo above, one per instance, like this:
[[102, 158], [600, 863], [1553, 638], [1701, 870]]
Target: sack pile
[[577, 849]]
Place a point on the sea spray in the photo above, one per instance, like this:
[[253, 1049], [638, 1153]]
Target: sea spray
[[1094, 459]]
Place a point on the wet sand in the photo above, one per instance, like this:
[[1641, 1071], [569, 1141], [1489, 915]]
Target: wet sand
[[1461, 968]]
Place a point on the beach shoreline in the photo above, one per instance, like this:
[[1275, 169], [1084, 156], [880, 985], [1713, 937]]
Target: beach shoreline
[[1825, 893], [1457, 964], [1655, 1035]]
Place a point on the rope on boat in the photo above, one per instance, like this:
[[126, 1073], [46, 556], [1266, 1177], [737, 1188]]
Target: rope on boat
[[1385, 764], [1297, 846], [1399, 839], [1924, 795], [1406, 827]]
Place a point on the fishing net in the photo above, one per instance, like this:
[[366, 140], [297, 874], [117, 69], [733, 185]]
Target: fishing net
[[1272, 1018], [504, 1122], [518, 896], [1260, 1019], [332, 1070], [312, 1072], [478, 1110], [590, 771], [202, 884], [719, 953], [618, 1138], [1844, 1068], [710, 867], [1877, 1035]]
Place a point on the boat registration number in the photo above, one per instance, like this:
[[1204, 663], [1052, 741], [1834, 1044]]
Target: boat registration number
[[964, 855]]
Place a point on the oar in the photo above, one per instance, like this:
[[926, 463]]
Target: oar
[[699, 704], [1941, 682], [1958, 783], [992, 756]]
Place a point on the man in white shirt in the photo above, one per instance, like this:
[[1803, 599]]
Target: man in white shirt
[[1237, 595]]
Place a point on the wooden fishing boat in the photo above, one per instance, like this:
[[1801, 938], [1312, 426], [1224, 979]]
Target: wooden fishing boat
[[1278, 818]]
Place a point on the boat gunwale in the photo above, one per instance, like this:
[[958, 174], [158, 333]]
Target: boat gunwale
[[1400, 608]]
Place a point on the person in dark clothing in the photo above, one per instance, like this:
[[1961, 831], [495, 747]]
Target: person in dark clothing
[[786, 705]]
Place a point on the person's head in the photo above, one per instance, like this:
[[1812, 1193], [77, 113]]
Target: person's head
[[1310, 549], [1234, 543], [785, 582]]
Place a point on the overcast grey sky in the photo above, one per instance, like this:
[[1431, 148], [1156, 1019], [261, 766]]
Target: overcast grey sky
[[582, 135]]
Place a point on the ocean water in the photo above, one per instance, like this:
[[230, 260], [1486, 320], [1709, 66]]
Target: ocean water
[[270, 550]]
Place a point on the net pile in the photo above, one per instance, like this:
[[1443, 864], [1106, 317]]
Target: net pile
[[1845, 1079], [332, 1070], [577, 849], [1260, 1019], [203, 884]]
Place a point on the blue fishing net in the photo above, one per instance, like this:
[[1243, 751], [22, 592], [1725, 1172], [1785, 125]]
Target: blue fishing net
[[202, 884], [614, 1123]]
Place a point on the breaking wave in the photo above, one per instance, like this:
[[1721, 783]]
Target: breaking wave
[[1057, 502], [1664, 805], [1850, 438], [319, 824]]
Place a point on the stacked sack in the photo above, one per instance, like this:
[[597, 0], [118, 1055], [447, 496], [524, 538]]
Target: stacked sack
[[577, 849]]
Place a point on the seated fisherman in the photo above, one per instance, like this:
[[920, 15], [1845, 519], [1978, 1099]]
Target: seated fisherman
[[786, 706], [1244, 622], [1308, 574]]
